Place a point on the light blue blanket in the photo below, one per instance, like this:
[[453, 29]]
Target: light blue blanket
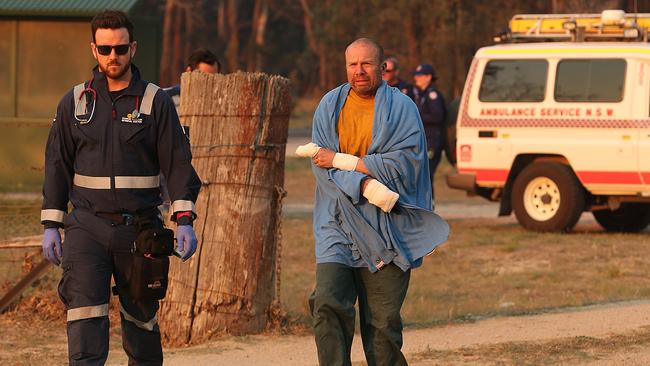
[[348, 229]]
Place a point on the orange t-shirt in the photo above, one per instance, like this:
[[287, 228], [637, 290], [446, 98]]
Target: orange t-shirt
[[355, 125]]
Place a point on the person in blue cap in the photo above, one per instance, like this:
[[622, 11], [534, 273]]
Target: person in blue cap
[[431, 105]]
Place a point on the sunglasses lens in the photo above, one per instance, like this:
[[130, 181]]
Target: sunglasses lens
[[122, 49], [104, 50]]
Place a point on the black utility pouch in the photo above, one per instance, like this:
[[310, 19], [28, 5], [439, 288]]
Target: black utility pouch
[[149, 273], [155, 242]]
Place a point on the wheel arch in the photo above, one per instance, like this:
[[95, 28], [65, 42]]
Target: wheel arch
[[520, 162]]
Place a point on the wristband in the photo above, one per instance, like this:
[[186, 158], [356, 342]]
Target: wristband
[[184, 218], [345, 161]]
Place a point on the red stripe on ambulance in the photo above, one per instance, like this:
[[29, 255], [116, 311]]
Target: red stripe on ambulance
[[488, 175], [586, 177], [593, 177]]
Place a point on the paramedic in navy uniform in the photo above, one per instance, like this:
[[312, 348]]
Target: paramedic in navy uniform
[[110, 139]]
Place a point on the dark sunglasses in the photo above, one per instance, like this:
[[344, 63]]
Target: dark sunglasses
[[120, 49]]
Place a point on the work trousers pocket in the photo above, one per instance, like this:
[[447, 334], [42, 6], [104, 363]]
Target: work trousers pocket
[[149, 277]]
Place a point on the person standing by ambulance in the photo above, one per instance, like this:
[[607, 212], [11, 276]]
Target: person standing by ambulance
[[109, 140], [431, 105]]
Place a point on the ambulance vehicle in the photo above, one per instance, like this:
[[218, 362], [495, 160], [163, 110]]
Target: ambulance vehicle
[[555, 120]]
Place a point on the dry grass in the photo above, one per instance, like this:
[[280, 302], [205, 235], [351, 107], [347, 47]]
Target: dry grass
[[21, 157], [567, 351], [20, 217], [303, 113], [490, 268], [299, 182], [487, 268], [34, 332]]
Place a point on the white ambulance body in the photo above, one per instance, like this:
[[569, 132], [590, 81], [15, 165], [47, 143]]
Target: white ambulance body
[[551, 129]]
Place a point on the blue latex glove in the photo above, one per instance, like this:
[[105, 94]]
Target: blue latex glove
[[52, 246], [185, 241]]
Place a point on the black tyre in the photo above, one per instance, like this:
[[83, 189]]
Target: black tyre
[[547, 196], [630, 217]]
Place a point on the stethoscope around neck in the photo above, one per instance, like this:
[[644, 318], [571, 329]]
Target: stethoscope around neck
[[84, 92], [89, 90]]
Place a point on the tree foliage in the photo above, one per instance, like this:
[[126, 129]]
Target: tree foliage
[[305, 39]]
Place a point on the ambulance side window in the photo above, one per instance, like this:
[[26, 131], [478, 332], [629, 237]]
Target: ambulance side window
[[590, 80], [514, 81]]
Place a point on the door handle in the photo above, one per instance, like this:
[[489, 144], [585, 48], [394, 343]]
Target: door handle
[[487, 134]]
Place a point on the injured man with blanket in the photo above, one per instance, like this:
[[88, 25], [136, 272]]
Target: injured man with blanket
[[373, 214]]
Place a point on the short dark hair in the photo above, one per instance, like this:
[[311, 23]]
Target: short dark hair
[[111, 19], [203, 55]]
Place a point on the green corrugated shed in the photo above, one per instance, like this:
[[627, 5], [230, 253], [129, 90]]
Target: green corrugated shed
[[62, 8], [33, 31]]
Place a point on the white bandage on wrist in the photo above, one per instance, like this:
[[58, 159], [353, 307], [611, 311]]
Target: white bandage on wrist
[[345, 161], [380, 196], [308, 150]]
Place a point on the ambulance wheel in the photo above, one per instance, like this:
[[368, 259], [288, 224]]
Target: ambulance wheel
[[547, 196], [630, 217]]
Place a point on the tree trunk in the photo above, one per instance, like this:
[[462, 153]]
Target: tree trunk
[[258, 31], [167, 61], [238, 131], [317, 47], [412, 40], [232, 50]]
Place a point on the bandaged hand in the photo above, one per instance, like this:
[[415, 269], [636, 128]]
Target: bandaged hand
[[308, 150], [325, 160], [379, 195]]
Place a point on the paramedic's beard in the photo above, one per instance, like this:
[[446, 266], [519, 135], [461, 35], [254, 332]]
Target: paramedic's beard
[[114, 70]]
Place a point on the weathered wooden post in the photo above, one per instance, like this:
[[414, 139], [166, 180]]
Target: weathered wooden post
[[238, 131]]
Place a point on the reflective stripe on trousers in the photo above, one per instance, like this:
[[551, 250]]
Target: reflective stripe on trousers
[[87, 312]]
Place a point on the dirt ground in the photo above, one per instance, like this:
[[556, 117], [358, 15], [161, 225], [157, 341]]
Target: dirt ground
[[609, 334], [421, 345]]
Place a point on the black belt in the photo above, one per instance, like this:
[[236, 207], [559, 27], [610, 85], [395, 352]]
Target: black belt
[[128, 219]]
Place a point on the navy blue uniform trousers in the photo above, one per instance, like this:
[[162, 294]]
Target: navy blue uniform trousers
[[94, 250]]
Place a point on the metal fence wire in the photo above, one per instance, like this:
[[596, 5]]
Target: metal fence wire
[[19, 220], [22, 146]]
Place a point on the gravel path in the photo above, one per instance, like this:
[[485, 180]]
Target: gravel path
[[593, 321]]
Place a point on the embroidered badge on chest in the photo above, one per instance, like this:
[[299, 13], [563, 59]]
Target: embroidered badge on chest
[[133, 117], [433, 95]]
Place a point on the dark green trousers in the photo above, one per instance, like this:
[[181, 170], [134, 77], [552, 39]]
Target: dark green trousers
[[380, 297]]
